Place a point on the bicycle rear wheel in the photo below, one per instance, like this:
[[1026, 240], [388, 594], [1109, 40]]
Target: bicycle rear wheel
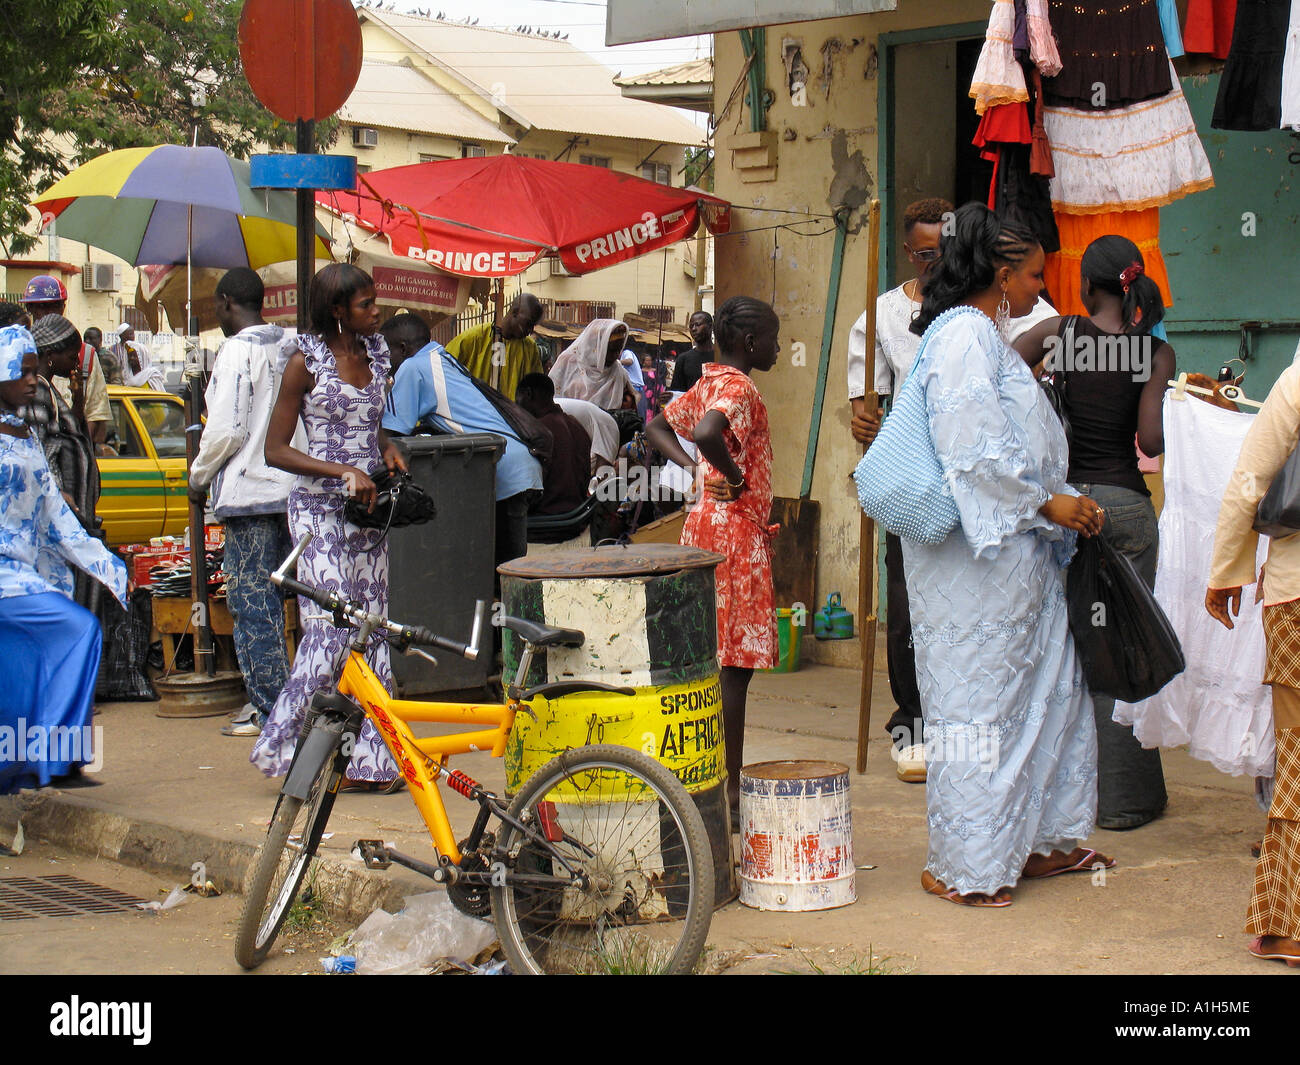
[[630, 828], [285, 856]]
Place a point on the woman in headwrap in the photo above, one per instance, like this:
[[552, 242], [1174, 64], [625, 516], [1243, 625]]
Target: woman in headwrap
[[138, 369], [590, 369], [51, 645]]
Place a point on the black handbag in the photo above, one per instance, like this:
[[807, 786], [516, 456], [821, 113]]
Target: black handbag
[[399, 502], [1053, 383], [1279, 511], [1128, 648]]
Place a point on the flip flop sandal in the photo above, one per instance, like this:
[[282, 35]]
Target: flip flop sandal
[[1083, 865], [1256, 949], [375, 787], [935, 887]]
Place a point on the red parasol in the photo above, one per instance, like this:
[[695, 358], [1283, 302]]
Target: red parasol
[[495, 216]]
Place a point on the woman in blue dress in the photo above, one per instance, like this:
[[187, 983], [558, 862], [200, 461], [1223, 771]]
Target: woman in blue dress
[[49, 644], [1011, 744]]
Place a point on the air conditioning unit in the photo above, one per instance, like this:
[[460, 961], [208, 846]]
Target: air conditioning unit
[[363, 137], [557, 267], [101, 277]]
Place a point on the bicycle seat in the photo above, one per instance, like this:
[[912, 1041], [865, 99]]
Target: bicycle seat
[[544, 635]]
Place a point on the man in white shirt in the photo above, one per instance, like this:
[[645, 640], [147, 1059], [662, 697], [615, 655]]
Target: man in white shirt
[[895, 351], [248, 496]]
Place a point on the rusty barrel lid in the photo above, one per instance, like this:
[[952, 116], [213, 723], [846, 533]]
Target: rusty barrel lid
[[631, 560], [793, 769]]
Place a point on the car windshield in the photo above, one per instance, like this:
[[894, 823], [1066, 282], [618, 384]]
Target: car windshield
[[165, 423]]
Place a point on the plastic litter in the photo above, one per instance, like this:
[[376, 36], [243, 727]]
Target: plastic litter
[[343, 965], [427, 929], [174, 898]]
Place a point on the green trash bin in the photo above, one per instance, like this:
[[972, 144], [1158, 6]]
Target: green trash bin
[[788, 638]]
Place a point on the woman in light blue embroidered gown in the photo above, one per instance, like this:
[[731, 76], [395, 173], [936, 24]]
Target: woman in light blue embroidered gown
[[1011, 745], [49, 644]]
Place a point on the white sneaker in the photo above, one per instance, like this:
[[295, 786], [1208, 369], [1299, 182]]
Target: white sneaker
[[911, 763]]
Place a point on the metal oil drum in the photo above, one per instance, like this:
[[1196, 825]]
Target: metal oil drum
[[649, 615], [796, 836]]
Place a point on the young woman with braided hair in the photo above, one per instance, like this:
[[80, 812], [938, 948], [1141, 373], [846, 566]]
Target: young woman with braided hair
[[1113, 385], [1011, 749], [724, 415]]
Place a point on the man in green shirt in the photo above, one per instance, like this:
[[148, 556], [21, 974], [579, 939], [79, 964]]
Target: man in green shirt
[[500, 355]]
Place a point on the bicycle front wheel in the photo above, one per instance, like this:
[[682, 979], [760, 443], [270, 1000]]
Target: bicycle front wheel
[[643, 899], [284, 858]]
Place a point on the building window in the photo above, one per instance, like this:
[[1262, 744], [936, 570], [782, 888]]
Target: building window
[[429, 157], [594, 160], [579, 312], [472, 151], [660, 172], [658, 313]]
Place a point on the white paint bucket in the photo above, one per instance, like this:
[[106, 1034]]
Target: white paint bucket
[[796, 836]]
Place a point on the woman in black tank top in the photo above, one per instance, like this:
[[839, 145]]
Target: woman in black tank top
[[1111, 372]]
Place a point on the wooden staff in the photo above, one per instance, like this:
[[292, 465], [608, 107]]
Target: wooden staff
[[869, 538]]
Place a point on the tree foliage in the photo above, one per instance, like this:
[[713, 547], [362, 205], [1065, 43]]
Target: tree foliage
[[81, 77]]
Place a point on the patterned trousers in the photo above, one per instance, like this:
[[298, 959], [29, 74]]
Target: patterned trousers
[[342, 558], [1275, 902], [255, 545]]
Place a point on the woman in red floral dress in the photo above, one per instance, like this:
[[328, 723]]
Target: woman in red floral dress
[[724, 415]]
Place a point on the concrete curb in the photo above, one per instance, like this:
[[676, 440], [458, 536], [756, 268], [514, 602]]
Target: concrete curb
[[346, 889]]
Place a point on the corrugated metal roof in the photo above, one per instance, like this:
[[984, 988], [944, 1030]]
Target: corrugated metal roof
[[395, 96], [550, 83], [696, 72]]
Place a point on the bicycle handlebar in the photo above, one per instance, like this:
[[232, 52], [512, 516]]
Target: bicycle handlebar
[[356, 614]]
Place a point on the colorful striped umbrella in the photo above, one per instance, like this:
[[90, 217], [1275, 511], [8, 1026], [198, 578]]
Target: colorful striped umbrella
[[140, 204]]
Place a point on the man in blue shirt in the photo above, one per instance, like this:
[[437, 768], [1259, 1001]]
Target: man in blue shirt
[[430, 387]]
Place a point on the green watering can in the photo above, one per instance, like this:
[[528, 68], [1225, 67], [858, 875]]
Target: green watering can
[[833, 622]]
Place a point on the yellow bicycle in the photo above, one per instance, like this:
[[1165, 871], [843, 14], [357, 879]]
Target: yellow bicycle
[[600, 859]]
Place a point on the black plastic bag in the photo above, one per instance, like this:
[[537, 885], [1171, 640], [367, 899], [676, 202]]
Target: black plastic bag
[[1127, 646], [122, 673], [1279, 511], [399, 502]]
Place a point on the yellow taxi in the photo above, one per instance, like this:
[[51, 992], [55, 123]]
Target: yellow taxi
[[143, 488]]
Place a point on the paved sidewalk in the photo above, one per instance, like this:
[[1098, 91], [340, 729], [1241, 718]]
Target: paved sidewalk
[[175, 792]]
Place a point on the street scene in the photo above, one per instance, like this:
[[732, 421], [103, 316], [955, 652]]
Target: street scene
[[592, 488]]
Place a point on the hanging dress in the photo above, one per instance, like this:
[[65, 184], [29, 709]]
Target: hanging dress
[[1250, 90], [342, 425], [1217, 707], [1112, 54]]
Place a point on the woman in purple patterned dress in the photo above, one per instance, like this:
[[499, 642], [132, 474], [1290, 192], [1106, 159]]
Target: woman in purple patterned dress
[[336, 382]]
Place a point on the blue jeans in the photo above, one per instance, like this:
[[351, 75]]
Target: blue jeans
[[255, 545], [1130, 779]]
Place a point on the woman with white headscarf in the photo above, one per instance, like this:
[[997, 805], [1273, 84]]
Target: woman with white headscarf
[[589, 368], [138, 369]]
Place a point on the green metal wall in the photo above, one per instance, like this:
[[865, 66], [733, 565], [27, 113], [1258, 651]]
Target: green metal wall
[[1228, 285]]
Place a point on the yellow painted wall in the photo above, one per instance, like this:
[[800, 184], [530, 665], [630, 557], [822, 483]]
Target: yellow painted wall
[[398, 147], [825, 151]]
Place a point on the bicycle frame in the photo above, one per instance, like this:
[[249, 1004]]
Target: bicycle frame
[[422, 761]]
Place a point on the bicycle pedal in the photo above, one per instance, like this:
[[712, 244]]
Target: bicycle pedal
[[374, 853]]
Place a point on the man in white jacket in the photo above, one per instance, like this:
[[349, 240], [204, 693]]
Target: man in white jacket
[[248, 496]]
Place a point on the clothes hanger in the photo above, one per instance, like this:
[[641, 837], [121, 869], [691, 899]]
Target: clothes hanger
[[1232, 392]]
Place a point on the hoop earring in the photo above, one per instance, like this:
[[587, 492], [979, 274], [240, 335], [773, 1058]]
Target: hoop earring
[[339, 323], [1003, 319]]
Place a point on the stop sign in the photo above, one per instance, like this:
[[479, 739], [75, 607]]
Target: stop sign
[[302, 58]]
